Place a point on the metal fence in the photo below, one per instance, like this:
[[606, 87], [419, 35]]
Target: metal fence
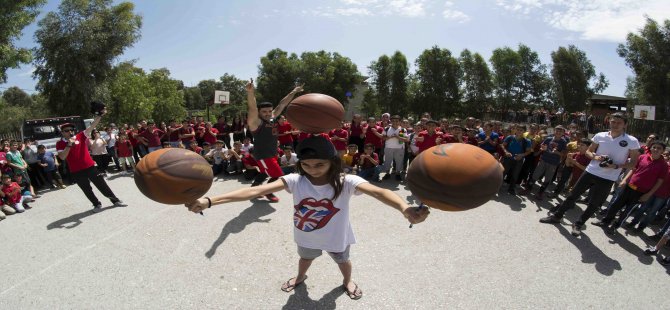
[[10, 136]]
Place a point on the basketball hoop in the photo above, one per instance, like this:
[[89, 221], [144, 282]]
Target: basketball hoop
[[221, 97]]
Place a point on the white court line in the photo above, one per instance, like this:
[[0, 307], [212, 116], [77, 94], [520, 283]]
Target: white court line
[[80, 251]]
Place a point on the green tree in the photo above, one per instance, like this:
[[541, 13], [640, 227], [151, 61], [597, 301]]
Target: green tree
[[575, 78], [129, 92], [193, 98], [207, 89], [439, 75], [277, 75], [14, 16], [76, 48], [506, 65], [477, 83], [533, 82], [165, 94], [380, 77], [399, 75], [648, 54], [238, 96], [370, 105], [16, 97]]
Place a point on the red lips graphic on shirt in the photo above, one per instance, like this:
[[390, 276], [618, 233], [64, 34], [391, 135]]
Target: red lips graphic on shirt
[[311, 214]]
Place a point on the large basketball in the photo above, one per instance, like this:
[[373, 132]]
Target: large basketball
[[315, 113], [173, 176], [454, 177]]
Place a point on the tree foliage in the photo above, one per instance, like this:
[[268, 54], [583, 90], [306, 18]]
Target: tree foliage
[[16, 97], [477, 83], [129, 92], [76, 48], [398, 101], [380, 79], [648, 54], [533, 84], [15, 111], [575, 78], [321, 72], [14, 16], [168, 99], [439, 75], [506, 64]]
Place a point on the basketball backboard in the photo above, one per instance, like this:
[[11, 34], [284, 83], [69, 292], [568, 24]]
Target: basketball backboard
[[221, 97]]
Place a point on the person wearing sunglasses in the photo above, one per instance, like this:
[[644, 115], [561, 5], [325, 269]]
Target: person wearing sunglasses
[[73, 148]]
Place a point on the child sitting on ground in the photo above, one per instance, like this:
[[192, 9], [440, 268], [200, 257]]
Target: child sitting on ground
[[368, 164], [288, 161], [235, 165], [321, 195], [348, 164], [11, 191]]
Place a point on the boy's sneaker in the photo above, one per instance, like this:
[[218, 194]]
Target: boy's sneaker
[[37, 196], [272, 197], [97, 208], [120, 203], [26, 206], [651, 250], [576, 230], [550, 220], [665, 261]]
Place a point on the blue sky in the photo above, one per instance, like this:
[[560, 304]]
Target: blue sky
[[203, 39]]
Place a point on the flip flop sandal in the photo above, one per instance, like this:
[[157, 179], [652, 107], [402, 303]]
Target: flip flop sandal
[[356, 294], [287, 287]]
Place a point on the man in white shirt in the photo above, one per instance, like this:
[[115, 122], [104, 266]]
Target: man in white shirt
[[395, 138], [288, 161], [610, 152], [110, 136]]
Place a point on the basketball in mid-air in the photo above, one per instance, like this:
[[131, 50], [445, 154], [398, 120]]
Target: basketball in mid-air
[[315, 113], [173, 176], [454, 177]]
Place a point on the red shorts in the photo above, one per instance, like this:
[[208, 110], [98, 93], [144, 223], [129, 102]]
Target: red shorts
[[270, 166]]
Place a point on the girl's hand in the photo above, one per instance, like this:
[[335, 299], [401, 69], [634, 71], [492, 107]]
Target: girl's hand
[[416, 215], [198, 205]]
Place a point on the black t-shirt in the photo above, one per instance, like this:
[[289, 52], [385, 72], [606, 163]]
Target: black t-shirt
[[265, 140]]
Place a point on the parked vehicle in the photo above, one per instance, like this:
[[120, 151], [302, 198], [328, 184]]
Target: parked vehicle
[[46, 131]]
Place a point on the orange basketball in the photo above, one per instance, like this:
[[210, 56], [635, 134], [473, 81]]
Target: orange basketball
[[315, 113], [173, 176], [454, 177]]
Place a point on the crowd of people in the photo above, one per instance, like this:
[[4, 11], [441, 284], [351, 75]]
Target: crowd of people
[[560, 160]]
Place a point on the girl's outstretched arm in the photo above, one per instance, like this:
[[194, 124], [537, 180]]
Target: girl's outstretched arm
[[413, 214], [236, 195]]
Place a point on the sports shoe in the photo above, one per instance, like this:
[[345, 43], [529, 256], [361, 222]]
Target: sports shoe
[[97, 208], [651, 250], [550, 220], [576, 230], [600, 223], [665, 261], [37, 196], [272, 197], [120, 203]]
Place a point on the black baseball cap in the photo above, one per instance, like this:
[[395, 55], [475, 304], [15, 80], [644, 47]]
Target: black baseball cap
[[316, 147]]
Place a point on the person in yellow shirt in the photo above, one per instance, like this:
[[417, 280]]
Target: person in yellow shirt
[[348, 164]]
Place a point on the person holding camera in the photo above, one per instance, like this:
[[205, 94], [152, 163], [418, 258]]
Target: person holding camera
[[610, 152]]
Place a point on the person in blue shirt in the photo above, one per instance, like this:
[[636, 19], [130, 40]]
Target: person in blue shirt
[[50, 165], [516, 148], [553, 150], [488, 140]]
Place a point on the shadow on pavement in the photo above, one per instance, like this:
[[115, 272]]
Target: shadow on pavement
[[515, 203], [250, 215], [74, 220], [300, 299], [632, 248], [590, 253]]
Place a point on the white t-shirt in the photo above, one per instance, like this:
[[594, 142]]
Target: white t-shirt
[[292, 161], [617, 149], [319, 222], [245, 148], [394, 142]]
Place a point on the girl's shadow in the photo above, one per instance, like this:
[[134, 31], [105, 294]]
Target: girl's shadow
[[250, 215]]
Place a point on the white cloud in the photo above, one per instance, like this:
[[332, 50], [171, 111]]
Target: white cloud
[[353, 12], [454, 15], [410, 8], [605, 20]]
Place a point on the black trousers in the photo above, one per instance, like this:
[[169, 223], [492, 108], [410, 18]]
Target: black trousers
[[599, 190], [627, 198], [83, 178]]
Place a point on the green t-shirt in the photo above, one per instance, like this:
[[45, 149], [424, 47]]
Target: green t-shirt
[[15, 157]]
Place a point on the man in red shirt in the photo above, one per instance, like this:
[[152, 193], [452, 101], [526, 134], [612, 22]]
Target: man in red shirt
[[208, 133], [73, 148], [186, 134], [340, 138], [284, 132], [374, 135], [152, 137], [639, 185], [429, 137]]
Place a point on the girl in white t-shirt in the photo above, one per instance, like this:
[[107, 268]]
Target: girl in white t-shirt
[[321, 194]]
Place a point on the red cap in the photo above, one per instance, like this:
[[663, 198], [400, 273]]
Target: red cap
[[66, 125]]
